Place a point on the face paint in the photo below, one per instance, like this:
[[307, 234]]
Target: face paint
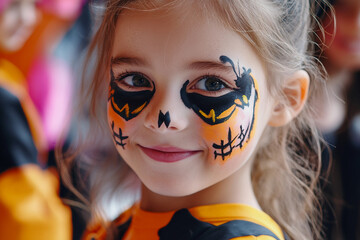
[[224, 150], [233, 112], [128, 104], [215, 110], [164, 118], [118, 137]]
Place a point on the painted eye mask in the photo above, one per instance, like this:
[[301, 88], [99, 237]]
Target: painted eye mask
[[215, 110], [128, 104]]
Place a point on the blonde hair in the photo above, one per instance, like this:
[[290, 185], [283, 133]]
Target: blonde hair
[[287, 163]]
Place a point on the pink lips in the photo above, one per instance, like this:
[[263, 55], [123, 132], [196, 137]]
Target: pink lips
[[167, 154]]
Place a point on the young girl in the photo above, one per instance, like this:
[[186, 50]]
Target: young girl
[[205, 101]]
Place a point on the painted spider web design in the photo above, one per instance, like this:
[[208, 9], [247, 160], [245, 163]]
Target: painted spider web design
[[118, 136]]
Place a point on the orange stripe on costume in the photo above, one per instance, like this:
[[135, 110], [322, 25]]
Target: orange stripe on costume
[[30, 207], [13, 80]]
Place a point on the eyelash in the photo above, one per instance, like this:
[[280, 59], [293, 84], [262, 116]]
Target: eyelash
[[127, 73], [226, 84]]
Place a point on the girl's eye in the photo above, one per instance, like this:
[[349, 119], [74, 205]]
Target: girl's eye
[[134, 80], [210, 83]]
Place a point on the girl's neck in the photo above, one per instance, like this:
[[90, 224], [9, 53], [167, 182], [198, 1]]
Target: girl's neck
[[237, 188]]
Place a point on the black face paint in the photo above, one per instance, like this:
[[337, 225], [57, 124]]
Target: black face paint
[[118, 137], [215, 110], [244, 82], [125, 103], [226, 149], [164, 118]]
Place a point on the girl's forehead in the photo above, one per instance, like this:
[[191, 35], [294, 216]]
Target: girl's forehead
[[174, 35], [165, 17]]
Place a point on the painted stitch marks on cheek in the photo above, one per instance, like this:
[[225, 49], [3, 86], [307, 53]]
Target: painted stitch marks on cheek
[[224, 150], [118, 137], [130, 94], [225, 107]]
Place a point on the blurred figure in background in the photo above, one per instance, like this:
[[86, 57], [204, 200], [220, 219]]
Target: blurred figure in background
[[18, 20], [339, 116], [35, 92]]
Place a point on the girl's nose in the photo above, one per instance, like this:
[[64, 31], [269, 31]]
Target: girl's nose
[[166, 113]]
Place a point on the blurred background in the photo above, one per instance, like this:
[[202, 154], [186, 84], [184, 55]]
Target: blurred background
[[339, 116], [41, 47]]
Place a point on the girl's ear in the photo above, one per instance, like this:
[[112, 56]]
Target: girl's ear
[[295, 89]]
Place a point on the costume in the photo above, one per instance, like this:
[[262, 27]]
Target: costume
[[30, 207], [210, 222]]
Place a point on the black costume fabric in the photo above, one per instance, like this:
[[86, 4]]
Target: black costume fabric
[[243, 223], [16, 140]]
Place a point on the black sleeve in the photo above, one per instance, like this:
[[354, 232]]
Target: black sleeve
[[16, 143]]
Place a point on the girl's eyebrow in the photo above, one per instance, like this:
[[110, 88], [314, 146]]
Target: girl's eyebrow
[[128, 61], [197, 65], [210, 65]]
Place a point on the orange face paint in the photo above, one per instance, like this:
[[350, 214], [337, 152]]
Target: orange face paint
[[126, 105], [229, 118]]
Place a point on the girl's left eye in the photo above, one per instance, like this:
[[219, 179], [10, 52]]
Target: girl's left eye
[[136, 80], [210, 83]]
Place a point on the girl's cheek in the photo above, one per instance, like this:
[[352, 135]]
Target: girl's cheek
[[123, 109], [118, 128], [229, 138], [114, 118]]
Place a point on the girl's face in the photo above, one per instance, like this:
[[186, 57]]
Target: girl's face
[[344, 50], [17, 22], [187, 99]]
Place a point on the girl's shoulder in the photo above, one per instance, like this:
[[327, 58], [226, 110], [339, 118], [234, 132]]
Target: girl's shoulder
[[219, 221]]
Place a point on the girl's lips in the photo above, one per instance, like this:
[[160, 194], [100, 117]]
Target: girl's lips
[[167, 154]]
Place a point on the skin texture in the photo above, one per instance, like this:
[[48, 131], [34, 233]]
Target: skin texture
[[17, 22], [169, 48]]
